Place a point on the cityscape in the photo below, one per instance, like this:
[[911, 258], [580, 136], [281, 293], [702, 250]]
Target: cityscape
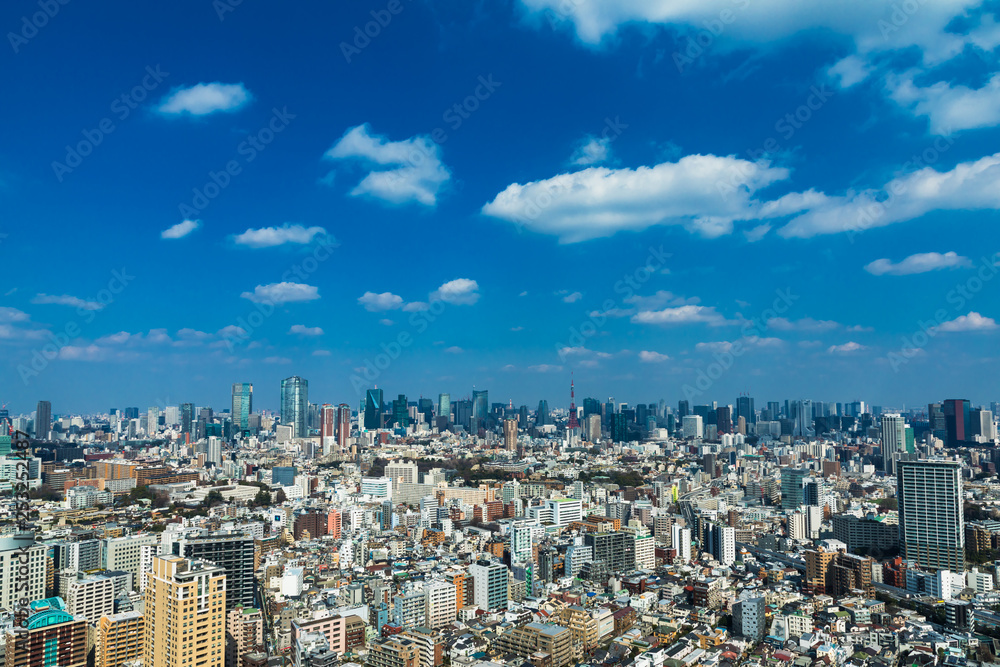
[[528, 333]]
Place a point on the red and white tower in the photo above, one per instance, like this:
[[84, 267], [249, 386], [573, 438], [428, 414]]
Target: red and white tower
[[573, 423]]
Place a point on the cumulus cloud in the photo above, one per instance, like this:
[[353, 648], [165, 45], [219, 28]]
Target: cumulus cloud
[[805, 324], [949, 108], [269, 237], [400, 172], [303, 330], [280, 293], [205, 98], [849, 71], [845, 348], [704, 193], [458, 292], [180, 230], [454, 349], [67, 300], [919, 263], [573, 297], [649, 357], [545, 368], [379, 302], [971, 322], [8, 314], [681, 315], [591, 151]]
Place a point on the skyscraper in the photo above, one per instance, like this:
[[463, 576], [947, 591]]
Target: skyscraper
[[328, 427], [936, 421], [444, 406], [184, 609], [893, 441], [480, 404], [242, 407], [187, 418], [542, 414], [373, 409], [745, 409], [343, 425], [791, 487], [957, 421], [400, 414], [152, 420], [43, 420], [931, 523], [618, 427], [294, 405], [510, 434]]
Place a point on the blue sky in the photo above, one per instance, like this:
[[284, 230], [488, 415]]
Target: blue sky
[[509, 191]]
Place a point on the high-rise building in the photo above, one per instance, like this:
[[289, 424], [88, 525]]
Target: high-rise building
[[542, 414], [43, 420], [510, 434], [328, 428], [118, 639], [931, 522], [721, 543], [232, 551], [745, 409], [152, 420], [400, 414], [519, 541], [724, 419], [748, 618], [244, 634], [13, 585], [444, 406], [441, 607], [52, 638], [616, 549], [480, 404], [957, 421], [893, 441], [617, 427], [490, 585], [187, 419], [185, 614], [373, 409], [295, 405], [692, 426], [242, 407], [936, 421], [791, 487]]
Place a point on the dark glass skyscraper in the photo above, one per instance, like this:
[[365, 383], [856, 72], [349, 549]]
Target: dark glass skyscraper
[[480, 404], [373, 409], [295, 405], [187, 418], [745, 409], [400, 414], [542, 414], [957, 421], [43, 420], [618, 428], [242, 407]]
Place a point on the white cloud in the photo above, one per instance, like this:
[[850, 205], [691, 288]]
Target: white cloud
[[119, 338], [206, 98], [919, 263], [573, 298], [404, 171], [849, 71], [969, 186], [705, 193], [303, 330], [720, 346], [8, 314], [658, 300], [180, 230], [321, 353], [649, 357], [971, 322], [232, 331], [746, 343], [845, 348], [90, 352], [805, 324], [949, 108], [545, 368], [67, 300], [681, 315], [591, 151], [268, 237], [517, 328], [386, 322], [757, 233], [458, 292], [280, 293], [378, 302], [454, 349], [416, 306]]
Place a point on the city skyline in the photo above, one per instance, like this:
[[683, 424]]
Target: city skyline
[[300, 224]]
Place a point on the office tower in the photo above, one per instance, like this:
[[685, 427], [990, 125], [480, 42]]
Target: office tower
[[184, 608], [444, 406], [187, 418], [118, 639], [213, 451], [592, 427], [616, 550], [14, 586], [242, 407], [480, 404], [489, 585], [131, 413], [400, 415], [775, 409], [724, 419], [957, 422], [931, 523], [402, 473], [510, 434], [542, 414], [343, 426], [425, 407], [745, 409], [294, 405], [893, 441], [692, 426], [617, 427], [791, 487], [463, 413], [283, 475], [683, 409], [373, 409], [748, 618], [52, 638], [43, 420], [328, 428], [230, 550], [591, 406], [152, 420]]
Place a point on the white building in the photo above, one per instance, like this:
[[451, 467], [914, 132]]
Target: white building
[[379, 488], [291, 582], [692, 426]]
